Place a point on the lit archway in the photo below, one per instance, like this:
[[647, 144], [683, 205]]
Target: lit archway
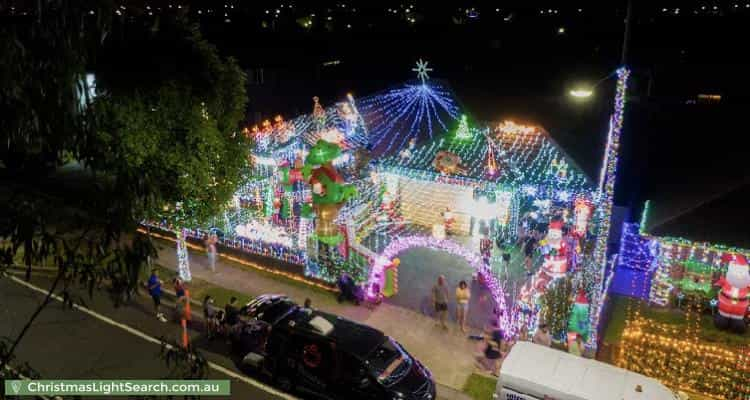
[[400, 244]]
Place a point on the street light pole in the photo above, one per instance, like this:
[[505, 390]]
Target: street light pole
[[626, 38], [606, 189]]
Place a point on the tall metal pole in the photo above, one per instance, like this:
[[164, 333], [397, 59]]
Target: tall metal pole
[[606, 198], [606, 188], [626, 38]]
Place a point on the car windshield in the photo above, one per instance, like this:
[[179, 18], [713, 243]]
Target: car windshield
[[272, 313], [389, 363]]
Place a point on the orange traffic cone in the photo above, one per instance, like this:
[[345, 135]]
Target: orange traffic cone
[[187, 305], [185, 338]]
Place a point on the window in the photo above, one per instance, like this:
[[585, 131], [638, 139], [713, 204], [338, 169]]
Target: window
[[389, 363]]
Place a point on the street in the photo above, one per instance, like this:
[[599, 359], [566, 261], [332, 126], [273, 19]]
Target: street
[[70, 344]]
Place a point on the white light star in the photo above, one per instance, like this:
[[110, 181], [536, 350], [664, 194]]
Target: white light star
[[422, 69]]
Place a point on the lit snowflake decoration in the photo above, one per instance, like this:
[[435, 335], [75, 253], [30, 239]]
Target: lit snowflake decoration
[[422, 69]]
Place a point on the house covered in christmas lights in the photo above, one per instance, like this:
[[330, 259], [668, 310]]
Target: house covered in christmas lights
[[484, 177]]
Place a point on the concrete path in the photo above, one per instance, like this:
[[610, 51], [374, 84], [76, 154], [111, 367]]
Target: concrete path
[[448, 354]]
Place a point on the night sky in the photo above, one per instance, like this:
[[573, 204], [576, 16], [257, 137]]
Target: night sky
[[518, 60], [674, 152]]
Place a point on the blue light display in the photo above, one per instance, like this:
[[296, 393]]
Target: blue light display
[[406, 113], [636, 251]]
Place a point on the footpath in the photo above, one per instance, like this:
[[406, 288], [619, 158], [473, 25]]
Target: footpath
[[448, 354]]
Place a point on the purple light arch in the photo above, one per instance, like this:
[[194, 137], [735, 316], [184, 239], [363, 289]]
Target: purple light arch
[[401, 244]]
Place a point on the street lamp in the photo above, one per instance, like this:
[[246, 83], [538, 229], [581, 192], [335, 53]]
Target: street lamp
[[584, 92], [581, 93]]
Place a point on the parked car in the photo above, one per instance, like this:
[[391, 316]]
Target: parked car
[[309, 351]]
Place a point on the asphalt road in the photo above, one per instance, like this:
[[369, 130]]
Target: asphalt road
[[70, 344]]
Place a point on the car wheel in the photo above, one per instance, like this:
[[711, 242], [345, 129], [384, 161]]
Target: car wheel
[[284, 383]]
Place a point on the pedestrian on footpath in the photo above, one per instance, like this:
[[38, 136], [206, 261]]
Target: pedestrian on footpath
[[211, 242], [179, 290], [492, 353], [440, 300], [542, 336], [463, 295], [231, 312], [210, 316], [154, 289]]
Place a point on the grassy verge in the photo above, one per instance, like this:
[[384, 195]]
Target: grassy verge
[[708, 333], [480, 387], [326, 297], [200, 288]]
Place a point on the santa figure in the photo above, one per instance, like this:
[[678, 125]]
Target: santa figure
[[448, 219], [555, 266], [555, 236], [556, 261], [734, 296], [583, 211]]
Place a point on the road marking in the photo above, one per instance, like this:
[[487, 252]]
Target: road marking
[[151, 339]]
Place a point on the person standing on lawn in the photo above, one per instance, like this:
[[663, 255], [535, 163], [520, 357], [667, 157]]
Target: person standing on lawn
[[154, 289], [440, 300]]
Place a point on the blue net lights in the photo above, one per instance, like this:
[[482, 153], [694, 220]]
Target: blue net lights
[[636, 251], [413, 111]]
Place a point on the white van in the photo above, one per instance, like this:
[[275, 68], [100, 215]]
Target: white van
[[534, 372]]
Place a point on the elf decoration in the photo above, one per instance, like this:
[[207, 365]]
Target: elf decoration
[[578, 323], [734, 295], [328, 188]]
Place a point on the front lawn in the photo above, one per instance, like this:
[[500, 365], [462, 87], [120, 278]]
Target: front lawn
[[709, 333], [480, 387]]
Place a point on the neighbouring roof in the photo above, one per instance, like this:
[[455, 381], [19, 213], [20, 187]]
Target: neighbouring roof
[[279, 141], [723, 220]]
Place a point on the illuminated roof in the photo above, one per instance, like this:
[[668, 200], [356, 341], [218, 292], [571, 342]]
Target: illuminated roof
[[279, 139], [523, 155], [416, 110]]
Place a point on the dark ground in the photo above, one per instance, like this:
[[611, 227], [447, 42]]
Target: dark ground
[[67, 344]]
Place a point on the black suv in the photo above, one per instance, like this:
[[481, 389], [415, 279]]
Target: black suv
[[309, 351]]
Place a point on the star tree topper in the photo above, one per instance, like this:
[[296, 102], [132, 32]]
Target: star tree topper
[[422, 69]]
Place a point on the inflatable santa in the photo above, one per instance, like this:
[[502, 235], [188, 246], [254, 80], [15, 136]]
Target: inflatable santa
[[734, 295], [556, 261]]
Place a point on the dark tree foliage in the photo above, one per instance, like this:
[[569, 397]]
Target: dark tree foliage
[[160, 131]]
